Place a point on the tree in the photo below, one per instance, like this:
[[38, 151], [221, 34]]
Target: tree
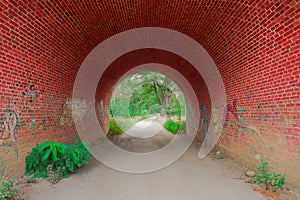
[[144, 90]]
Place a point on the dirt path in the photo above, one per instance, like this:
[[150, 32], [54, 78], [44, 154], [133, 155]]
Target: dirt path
[[145, 136], [187, 179]]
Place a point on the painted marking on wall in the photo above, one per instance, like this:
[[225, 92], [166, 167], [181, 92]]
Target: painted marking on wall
[[9, 124], [295, 84], [216, 124], [66, 113], [46, 122], [264, 121], [31, 94], [204, 120]]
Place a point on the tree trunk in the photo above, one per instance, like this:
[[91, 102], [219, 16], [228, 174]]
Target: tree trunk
[[168, 111]]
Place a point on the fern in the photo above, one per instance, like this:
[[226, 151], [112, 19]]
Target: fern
[[65, 157]]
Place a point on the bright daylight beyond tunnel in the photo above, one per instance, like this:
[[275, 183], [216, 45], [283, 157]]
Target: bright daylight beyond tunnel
[[144, 105]]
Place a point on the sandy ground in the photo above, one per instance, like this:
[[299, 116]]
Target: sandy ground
[[145, 136], [188, 178]]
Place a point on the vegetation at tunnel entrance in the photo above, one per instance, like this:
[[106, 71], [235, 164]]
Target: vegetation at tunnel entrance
[[143, 95], [54, 160]]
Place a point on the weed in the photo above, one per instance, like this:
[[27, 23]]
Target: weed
[[32, 179], [8, 190], [271, 180], [53, 176]]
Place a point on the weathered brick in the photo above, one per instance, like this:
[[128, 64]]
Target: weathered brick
[[255, 45]]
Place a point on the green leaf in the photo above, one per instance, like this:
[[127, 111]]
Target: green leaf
[[46, 155], [54, 152], [44, 145], [64, 158]]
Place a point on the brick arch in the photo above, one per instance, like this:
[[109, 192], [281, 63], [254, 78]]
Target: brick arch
[[255, 45], [143, 56]]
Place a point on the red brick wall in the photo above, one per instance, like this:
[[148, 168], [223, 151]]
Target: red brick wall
[[254, 43], [139, 57], [36, 78], [260, 66]]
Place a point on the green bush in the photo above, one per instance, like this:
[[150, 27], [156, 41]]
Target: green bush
[[114, 129], [172, 126], [8, 191], [271, 180], [60, 156]]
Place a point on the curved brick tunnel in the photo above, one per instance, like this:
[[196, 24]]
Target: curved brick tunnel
[[139, 57], [254, 44]]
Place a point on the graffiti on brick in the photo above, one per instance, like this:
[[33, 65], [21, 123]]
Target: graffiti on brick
[[235, 118], [76, 111], [46, 122], [9, 124], [216, 124], [66, 113], [204, 120], [295, 84], [262, 122], [82, 112], [31, 94], [30, 91], [33, 123], [231, 108]]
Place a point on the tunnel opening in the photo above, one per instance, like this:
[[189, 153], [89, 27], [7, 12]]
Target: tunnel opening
[[254, 45], [163, 62], [146, 107]]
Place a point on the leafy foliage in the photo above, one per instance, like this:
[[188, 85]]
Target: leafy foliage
[[272, 180], [65, 157], [8, 191], [221, 156], [143, 95], [148, 93], [114, 129], [53, 176], [172, 126]]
